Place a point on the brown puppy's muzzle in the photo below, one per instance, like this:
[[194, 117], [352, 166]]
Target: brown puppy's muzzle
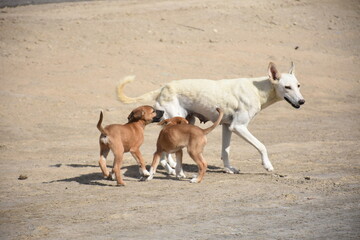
[[159, 114]]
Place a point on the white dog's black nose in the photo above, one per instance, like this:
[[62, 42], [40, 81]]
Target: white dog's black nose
[[301, 101]]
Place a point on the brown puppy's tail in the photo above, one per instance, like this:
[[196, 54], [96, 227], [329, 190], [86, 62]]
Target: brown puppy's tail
[[101, 129], [221, 114], [150, 96]]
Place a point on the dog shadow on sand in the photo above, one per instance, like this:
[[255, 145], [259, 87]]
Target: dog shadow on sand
[[96, 178], [131, 173]]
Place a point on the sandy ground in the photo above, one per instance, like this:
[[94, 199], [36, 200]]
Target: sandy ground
[[60, 64]]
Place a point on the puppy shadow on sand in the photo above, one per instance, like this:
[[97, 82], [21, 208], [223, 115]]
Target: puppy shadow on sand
[[131, 172], [96, 178]]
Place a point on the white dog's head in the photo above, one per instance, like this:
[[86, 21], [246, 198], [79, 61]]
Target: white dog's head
[[286, 85]]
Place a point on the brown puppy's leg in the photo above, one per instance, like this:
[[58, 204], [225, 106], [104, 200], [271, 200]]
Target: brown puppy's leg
[[154, 165], [104, 151], [139, 158], [117, 168], [155, 162], [202, 165]]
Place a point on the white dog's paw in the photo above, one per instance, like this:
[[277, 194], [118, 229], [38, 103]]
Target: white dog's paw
[[268, 166], [180, 175], [145, 173], [172, 172], [270, 169], [112, 176], [194, 180], [231, 170], [149, 178]]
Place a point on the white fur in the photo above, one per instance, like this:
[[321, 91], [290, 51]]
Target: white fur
[[241, 99], [169, 169], [104, 140]]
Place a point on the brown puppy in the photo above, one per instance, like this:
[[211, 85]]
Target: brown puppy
[[125, 138], [164, 162], [174, 137]]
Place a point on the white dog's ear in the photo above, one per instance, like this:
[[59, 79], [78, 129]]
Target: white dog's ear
[[274, 74], [292, 69]]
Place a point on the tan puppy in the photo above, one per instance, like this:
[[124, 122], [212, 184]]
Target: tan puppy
[[170, 166], [125, 138], [174, 137]]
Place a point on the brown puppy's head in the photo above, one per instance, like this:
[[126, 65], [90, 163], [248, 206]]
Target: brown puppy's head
[[173, 121], [145, 113]]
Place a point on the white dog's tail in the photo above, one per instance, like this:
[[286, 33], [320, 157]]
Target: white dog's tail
[[209, 129], [150, 96]]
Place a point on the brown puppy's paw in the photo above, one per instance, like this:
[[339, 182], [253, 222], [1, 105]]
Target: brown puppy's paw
[[122, 184]]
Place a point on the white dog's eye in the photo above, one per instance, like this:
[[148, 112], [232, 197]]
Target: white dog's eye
[[288, 87], [298, 85]]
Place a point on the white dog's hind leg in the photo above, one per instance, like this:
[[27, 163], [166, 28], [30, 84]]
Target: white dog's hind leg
[[225, 150], [179, 170], [171, 161], [243, 132], [168, 168]]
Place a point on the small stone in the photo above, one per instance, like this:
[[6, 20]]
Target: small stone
[[22, 177]]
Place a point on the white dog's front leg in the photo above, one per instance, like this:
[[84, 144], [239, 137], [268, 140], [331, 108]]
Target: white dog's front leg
[[225, 149], [243, 132]]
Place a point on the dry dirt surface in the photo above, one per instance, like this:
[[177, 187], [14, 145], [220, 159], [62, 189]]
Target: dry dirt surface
[[60, 64]]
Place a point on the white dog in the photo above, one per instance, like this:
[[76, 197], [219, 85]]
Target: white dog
[[241, 99]]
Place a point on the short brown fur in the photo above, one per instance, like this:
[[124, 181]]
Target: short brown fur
[[125, 138], [174, 137]]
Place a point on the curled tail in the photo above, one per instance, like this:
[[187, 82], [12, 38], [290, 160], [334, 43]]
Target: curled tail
[[221, 114], [101, 129], [125, 99]]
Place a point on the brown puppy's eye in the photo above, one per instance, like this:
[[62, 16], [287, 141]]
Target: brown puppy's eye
[[288, 87]]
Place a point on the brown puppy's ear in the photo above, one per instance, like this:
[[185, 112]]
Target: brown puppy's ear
[[163, 122], [135, 116], [131, 117], [183, 121], [274, 74]]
